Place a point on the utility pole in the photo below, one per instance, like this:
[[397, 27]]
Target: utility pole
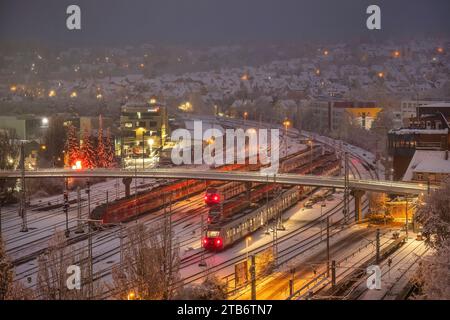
[[328, 246], [23, 201], [143, 151], [121, 243], [406, 217], [333, 273], [169, 282], [202, 230], [346, 195], [91, 267], [66, 207], [275, 242], [79, 224], [267, 205], [135, 192], [88, 192], [291, 282], [377, 244], [253, 276]]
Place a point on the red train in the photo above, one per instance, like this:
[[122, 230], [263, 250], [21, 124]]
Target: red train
[[215, 195], [130, 207], [227, 209]]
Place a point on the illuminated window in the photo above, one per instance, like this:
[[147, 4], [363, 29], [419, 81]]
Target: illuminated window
[[128, 125]]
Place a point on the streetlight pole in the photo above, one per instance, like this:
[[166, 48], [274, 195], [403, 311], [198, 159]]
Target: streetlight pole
[[143, 149], [406, 216], [23, 201], [66, 206]]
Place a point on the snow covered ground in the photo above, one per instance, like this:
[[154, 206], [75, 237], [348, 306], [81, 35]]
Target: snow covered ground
[[44, 220]]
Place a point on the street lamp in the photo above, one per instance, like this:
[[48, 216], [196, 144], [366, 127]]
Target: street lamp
[[286, 124], [131, 296]]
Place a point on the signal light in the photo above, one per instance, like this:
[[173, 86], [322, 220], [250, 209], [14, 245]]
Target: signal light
[[216, 198], [218, 242]]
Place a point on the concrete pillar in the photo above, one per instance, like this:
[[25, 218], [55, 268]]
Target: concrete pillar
[[127, 183], [357, 195]]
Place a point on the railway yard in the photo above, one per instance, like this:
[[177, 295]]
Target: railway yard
[[217, 224]]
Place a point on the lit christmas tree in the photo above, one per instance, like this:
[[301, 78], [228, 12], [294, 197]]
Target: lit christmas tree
[[72, 146], [89, 154], [101, 151], [109, 149]]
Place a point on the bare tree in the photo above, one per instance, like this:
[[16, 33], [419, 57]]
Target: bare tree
[[52, 273], [10, 290], [151, 265], [434, 215], [9, 152], [433, 275]]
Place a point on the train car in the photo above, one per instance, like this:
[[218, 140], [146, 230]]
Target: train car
[[215, 195], [300, 158], [228, 209], [222, 235], [130, 207]]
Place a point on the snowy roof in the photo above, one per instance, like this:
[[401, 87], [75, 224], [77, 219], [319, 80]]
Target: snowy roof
[[420, 131], [436, 105], [427, 161]]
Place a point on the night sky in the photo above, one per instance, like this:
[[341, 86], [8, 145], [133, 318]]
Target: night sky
[[114, 22]]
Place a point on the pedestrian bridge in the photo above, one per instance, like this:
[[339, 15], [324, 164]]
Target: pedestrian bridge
[[406, 188]]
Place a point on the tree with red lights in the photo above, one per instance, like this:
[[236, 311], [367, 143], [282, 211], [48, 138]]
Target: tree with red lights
[[101, 150], [72, 146], [88, 152], [109, 149]]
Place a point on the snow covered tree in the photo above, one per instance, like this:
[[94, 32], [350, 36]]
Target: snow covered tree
[[433, 274], [89, 154], [150, 267], [52, 275], [10, 290], [109, 149], [72, 145], [434, 216], [9, 153], [210, 289], [101, 151]]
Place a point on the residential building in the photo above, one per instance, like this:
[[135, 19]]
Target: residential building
[[143, 127], [428, 131]]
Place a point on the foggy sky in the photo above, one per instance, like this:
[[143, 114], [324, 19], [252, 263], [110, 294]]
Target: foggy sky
[[114, 22]]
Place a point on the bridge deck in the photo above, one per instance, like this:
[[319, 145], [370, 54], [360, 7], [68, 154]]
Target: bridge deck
[[285, 178]]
